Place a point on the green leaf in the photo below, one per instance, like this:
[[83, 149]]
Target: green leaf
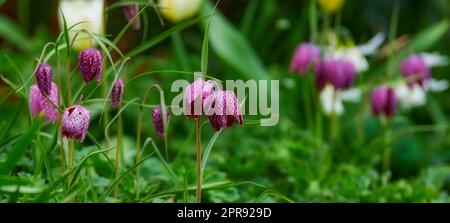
[[233, 48], [18, 151], [429, 36], [208, 151], [80, 164], [12, 33], [162, 36]]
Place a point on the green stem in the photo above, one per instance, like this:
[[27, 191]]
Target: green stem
[[118, 145], [199, 158], [387, 147]]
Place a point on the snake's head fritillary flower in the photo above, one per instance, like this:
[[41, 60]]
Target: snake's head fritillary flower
[[39, 104], [130, 11], [75, 122], [44, 76], [158, 120], [90, 62], [179, 10], [340, 73], [117, 93], [82, 15], [331, 6], [384, 101], [222, 108], [305, 56], [415, 70], [194, 95]]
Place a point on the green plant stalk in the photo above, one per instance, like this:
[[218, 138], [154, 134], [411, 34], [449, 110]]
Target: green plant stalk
[[199, 160], [318, 114], [387, 147], [392, 34], [118, 148], [138, 151], [307, 103], [68, 76], [334, 120]]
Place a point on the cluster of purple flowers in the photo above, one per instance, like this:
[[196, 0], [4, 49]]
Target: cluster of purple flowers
[[44, 96], [341, 74]]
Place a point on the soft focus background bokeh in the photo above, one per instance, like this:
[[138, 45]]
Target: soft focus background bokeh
[[251, 39]]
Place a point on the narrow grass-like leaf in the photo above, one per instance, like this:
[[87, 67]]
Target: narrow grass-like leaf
[[208, 151], [19, 149], [162, 36]]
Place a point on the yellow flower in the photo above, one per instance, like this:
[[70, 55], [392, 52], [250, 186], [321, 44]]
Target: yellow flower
[[82, 15], [179, 10], [331, 6]]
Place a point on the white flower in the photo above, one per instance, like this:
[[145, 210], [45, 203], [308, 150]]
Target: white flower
[[82, 14], [415, 95], [356, 54], [410, 97], [179, 10], [434, 59], [331, 100]]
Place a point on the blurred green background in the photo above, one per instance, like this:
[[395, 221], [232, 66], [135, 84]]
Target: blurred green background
[[251, 39]]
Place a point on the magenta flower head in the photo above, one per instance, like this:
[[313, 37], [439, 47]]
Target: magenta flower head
[[39, 104], [130, 11], [44, 76], [75, 122], [117, 93], [415, 70], [158, 121], [384, 101], [194, 95], [305, 56], [222, 108], [91, 62], [340, 73]]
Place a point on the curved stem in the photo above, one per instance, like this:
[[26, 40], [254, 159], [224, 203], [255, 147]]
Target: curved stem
[[118, 146], [199, 158]]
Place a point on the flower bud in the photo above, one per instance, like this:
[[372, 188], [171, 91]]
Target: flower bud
[[117, 93], [179, 10], [75, 122], [222, 108], [415, 70], [130, 11], [305, 56], [90, 62], [44, 76], [39, 104], [194, 95], [384, 101], [158, 121]]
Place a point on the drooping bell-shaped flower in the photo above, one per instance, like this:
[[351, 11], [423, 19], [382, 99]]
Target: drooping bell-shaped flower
[[179, 10], [82, 15], [305, 56], [340, 73], [331, 6], [222, 109], [39, 104], [194, 95], [44, 76], [158, 120], [384, 101], [415, 70], [90, 62], [130, 11], [75, 122], [117, 93]]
